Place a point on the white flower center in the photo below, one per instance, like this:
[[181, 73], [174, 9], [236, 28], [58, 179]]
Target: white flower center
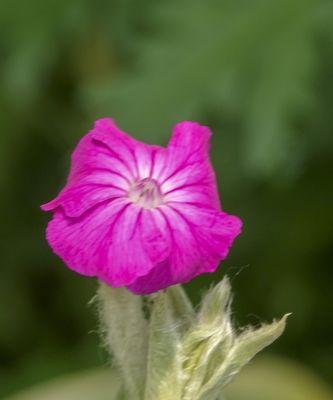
[[146, 193]]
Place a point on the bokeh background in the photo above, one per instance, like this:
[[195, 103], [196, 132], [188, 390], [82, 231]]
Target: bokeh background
[[259, 73]]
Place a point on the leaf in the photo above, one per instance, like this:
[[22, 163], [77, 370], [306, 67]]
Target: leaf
[[209, 340], [245, 347], [216, 304]]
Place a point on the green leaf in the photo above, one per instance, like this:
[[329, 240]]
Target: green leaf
[[245, 347], [209, 340], [215, 306]]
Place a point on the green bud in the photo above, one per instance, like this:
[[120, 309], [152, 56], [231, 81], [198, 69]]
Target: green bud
[[244, 348], [190, 356]]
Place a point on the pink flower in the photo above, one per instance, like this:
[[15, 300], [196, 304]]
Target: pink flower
[[139, 215]]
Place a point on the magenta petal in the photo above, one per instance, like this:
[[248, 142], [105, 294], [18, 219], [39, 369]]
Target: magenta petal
[[137, 157], [139, 215], [92, 154], [201, 238], [104, 165], [117, 144], [106, 242], [126, 258], [154, 235], [82, 242], [75, 199], [188, 175], [96, 175], [158, 278]]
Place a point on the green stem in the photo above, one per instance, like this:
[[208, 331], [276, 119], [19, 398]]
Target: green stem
[[125, 335]]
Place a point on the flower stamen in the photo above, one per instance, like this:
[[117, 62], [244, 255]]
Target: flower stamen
[[146, 193]]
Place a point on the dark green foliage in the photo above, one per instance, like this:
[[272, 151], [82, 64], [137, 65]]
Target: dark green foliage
[[259, 73]]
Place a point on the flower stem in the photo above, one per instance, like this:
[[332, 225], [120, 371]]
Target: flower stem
[[124, 330]]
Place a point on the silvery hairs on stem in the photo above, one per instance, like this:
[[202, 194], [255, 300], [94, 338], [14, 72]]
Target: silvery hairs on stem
[[176, 353]]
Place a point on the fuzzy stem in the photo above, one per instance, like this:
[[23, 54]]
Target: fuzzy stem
[[125, 335]]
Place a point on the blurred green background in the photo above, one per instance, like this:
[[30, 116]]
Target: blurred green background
[[259, 73]]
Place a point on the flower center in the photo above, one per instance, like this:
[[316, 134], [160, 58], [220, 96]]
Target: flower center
[[146, 193]]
